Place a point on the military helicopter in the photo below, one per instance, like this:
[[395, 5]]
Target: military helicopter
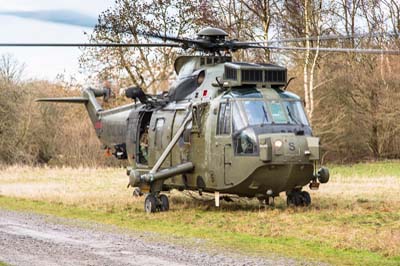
[[224, 127]]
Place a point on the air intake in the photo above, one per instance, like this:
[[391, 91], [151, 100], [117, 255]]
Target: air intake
[[249, 75], [272, 76], [230, 73], [238, 74]]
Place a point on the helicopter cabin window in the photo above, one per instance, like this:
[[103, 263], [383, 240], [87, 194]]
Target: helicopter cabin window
[[159, 129], [224, 119]]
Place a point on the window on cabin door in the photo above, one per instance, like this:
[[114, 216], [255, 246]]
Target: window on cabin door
[[159, 130]]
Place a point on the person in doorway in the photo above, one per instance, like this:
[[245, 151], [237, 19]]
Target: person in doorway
[[144, 145]]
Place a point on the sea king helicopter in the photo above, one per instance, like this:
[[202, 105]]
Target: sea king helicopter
[[224, 127]]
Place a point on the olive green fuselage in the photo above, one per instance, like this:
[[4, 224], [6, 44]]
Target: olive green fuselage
[[232, 150]]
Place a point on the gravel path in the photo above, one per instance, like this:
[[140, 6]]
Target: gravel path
[[32, 239]]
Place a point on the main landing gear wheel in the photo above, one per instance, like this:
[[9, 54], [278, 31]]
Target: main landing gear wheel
[[306, 198], [153, 204], [150, 203], [298, 198], [164, 203]]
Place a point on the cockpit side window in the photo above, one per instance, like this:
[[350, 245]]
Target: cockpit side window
[[245, 142], [244, 137], [224, 119]]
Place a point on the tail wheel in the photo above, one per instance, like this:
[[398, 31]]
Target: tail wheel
[[164, 203], [150, 203]]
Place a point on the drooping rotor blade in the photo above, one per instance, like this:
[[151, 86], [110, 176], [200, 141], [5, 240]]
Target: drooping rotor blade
[[336, 50], [89, 45]]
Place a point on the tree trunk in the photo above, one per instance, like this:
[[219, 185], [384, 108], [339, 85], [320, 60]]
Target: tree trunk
[[306, 58]]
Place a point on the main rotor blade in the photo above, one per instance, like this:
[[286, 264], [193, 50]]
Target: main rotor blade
[[337, 50], [184, 42], [89, 45], [326, 38], [164, 37]]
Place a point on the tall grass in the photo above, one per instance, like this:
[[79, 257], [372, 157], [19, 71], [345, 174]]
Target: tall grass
[[359, 209]]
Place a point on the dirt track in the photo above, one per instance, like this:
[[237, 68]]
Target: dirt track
[[32, 239]]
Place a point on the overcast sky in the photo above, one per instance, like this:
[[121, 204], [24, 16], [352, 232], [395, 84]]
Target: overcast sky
[[46, 62]]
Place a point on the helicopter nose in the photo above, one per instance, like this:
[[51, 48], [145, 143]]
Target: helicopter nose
[[288, 147]]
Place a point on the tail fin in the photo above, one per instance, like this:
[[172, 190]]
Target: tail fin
[[64, 100]]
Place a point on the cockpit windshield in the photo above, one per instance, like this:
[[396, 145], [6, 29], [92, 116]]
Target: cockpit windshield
[[247, 114], [251, 112], [258, 113], [295, 112], [278, 113]]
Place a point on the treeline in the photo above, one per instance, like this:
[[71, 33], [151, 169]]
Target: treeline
[[351, 98], [41, 133], [355, 107]]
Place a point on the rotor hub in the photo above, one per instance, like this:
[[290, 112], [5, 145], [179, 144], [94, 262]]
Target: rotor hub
[[212, 34]]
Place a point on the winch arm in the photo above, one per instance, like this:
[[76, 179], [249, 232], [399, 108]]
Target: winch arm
[[174, 140]]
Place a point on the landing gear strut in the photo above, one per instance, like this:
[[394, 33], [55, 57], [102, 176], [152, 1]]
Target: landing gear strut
[[266, 201], [298, 198], [154, 203]]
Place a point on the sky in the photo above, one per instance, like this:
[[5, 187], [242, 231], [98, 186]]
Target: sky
[[31, 21]]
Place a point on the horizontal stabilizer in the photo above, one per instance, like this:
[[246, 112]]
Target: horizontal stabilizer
[[64, 100]]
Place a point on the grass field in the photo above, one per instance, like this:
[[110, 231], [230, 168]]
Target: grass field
[[353, 220]]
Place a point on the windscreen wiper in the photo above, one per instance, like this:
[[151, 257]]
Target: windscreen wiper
[[292, 117], [265, 116]]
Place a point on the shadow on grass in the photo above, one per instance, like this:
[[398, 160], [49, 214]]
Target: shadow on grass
[[184, 201], [207, 203]]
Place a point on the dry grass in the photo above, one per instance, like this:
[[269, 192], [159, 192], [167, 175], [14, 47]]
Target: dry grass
[[86, 187], [350, 212]]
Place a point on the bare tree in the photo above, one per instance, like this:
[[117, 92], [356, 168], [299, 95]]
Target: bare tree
[[10, 69], [126, 22], [307, 18], [264, 11]]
